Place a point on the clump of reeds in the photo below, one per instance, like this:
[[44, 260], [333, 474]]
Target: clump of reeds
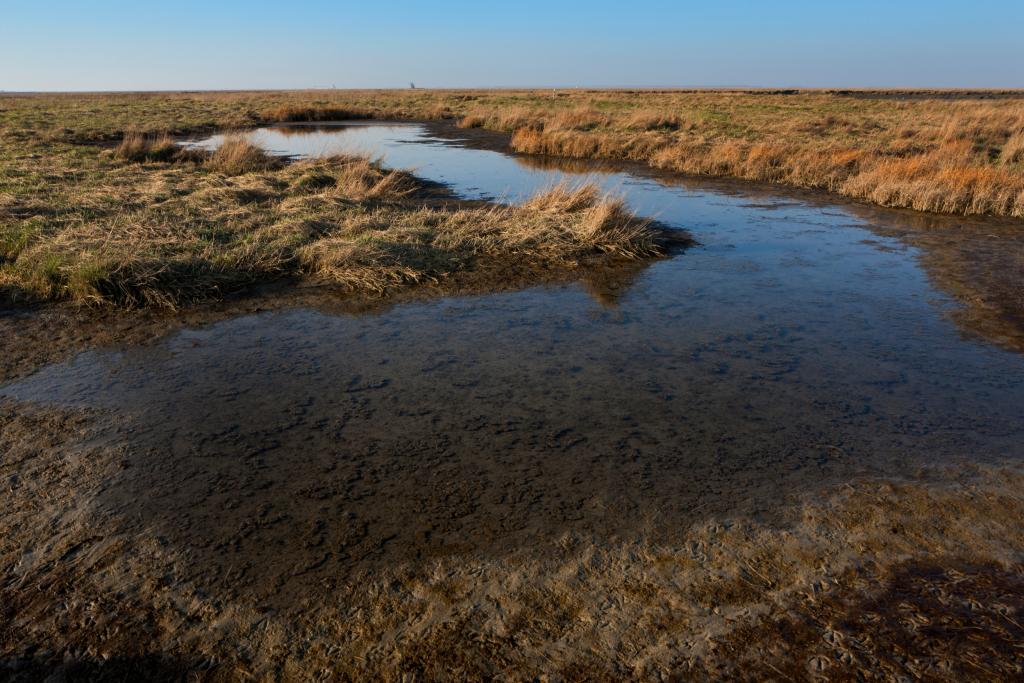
[[362, 178], [605, 222], [137, 146], [565, 198], [472, 121], [507, 119], [355, 177], [557, 228], [236, 155]]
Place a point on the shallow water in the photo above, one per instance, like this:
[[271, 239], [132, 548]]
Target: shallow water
[[797, 345]]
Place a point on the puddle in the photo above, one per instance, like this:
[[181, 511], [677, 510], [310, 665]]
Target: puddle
[[801, 343]]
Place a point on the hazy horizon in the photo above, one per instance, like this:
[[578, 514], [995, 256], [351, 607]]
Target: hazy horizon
[[117, 46]]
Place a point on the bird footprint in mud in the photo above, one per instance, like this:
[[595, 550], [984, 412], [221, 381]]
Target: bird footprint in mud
[[818, 664], [358, 384]]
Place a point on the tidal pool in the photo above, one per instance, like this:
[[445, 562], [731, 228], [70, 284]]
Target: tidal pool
[[801, 342]]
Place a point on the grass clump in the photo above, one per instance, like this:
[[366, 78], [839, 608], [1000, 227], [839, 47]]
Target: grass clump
[[378, 250], [137, 146], [236, 155], [654, 120]]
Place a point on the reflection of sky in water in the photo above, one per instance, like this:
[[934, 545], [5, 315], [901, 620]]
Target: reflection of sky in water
[[471, 173]]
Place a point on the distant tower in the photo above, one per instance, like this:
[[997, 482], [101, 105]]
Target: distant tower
[[412, 86]]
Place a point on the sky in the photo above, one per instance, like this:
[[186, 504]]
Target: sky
[[117, 45]]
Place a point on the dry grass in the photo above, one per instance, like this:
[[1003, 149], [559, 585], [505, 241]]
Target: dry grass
[[1013, 151], [380, 249], [151, 224], [965, 164], [582, 119], [506, 119], [169, 233], [962, 151], [653, 120], [137, 146], [236, 155], [936, 152]]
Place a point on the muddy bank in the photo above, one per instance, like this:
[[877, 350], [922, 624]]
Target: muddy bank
[[92, 587]]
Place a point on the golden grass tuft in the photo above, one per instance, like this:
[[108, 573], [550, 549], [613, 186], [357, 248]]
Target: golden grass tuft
[[507, 119], [472, 121], [565, 198], [556, 229], [236, 155], [1013, 151], [605, 222], [137, 146], [582, 118], [361, 178]]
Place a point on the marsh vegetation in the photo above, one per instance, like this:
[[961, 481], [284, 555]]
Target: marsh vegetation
[[150, 223]]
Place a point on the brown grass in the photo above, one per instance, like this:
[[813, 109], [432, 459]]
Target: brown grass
[[138, 146], [966, 163], [968, 144], [581, 119], [171, 233], [506, 119], [236, 155], [378, 250], [653, 120], [1013, 151]]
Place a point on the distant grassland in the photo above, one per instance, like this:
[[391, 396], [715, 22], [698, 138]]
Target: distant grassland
[[948, 152]]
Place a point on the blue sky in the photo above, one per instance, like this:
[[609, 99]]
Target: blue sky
[[102, 45]]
